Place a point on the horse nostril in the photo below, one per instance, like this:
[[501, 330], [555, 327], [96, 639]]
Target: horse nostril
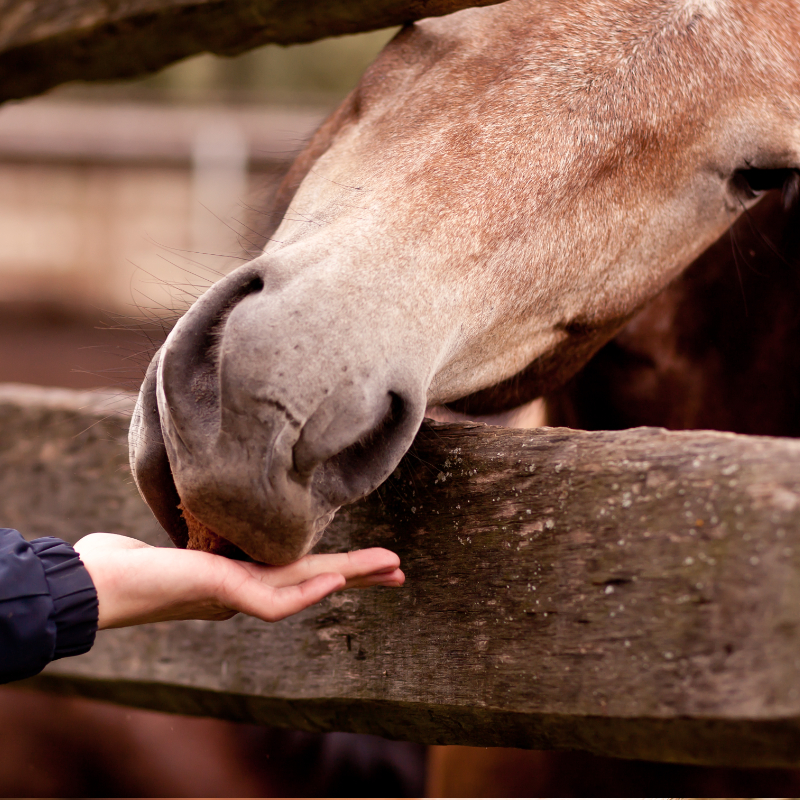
[[349, 455], [188, 370], [217, 323], [369, 446]]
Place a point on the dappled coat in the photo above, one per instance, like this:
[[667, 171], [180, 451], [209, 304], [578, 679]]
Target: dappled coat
[[48, 604]]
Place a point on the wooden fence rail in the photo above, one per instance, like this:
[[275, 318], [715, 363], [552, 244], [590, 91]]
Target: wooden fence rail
[[45, 44], [634, 593]]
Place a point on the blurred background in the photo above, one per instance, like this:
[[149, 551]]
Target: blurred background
[[120, 202]]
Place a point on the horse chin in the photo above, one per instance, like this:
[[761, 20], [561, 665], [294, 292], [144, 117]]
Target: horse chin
[[251, 528]]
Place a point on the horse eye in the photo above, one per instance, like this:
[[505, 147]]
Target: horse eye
[[753, 182]]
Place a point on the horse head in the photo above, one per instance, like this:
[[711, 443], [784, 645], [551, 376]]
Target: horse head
[[501, 193]]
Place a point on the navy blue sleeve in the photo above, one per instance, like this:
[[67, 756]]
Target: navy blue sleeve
[[48, 604]]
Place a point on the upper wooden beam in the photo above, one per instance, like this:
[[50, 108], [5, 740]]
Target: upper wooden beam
[[45, 44], [632, 593]]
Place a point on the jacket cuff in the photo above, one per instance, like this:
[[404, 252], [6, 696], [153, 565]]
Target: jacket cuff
[[73, 594]]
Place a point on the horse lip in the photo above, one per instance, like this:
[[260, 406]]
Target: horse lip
[[167, 513], [150, 465]]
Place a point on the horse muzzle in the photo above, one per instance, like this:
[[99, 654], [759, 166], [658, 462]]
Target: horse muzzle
[[260, 425]]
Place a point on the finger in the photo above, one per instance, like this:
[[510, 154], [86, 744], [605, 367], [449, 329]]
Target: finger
[[272, 604], [393, 578], [355, 564]]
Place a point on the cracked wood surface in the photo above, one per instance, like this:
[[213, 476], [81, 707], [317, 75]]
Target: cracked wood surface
[[45, 44], [632, 593]]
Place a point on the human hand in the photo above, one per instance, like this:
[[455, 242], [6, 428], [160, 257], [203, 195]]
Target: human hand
[[137, 583]]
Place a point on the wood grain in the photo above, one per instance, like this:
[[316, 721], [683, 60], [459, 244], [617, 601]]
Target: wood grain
[[45, 44], [632, 593]]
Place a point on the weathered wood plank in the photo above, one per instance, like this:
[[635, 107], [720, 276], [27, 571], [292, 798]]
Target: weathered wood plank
[[45, 44], [634, 593]]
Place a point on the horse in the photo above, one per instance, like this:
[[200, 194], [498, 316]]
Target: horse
[[499, 196]]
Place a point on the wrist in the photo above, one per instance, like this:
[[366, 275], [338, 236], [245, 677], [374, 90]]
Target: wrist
[[73, 593]]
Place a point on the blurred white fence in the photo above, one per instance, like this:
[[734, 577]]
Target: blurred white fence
[[117, 206]]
